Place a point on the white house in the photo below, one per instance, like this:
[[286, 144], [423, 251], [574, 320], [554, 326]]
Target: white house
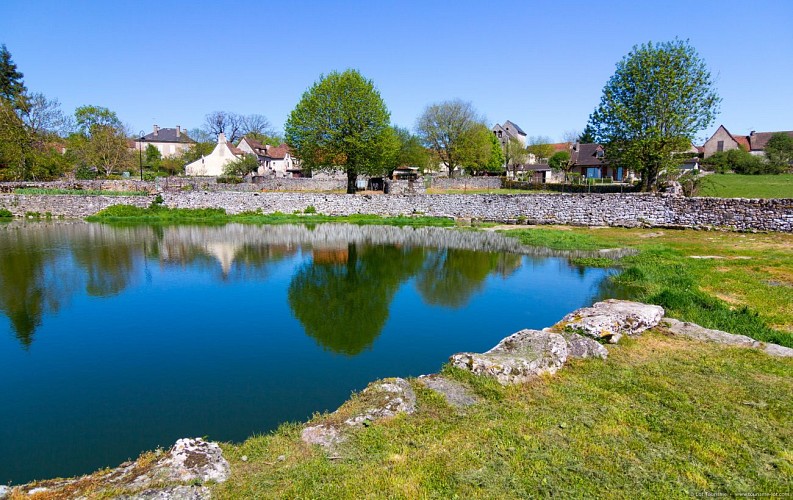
[[169, 141], [273, 160], [215, 162]]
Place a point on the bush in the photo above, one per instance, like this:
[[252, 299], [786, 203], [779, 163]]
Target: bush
[[738, 161], [5, 213], [226, 179]]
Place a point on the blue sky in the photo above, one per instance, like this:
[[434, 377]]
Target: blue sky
[[540, 64]]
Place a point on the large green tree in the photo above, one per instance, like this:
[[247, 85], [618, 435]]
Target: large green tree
[[411, 152], [449, 129], [12, 88], [588, 135], [779, 152], [660, 96], [341, 122]]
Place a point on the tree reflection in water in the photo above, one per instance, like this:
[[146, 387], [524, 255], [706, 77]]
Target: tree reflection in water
[[343, 302]]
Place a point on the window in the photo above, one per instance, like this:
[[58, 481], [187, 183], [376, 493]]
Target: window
[[720, 146], [599, 154], [499, 134]]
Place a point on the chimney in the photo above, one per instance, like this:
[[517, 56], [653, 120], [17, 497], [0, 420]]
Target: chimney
[[178, 131], [221, 138], [266, 149], [156, 130]]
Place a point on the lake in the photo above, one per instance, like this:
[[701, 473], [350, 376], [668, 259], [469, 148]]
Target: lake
[[116, 340]]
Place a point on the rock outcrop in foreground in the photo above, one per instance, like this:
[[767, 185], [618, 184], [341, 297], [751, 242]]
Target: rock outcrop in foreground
[[179, 473], [611, 319]]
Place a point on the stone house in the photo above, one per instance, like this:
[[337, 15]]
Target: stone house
[[213, 164], [509, 130], [169, 141], [273, 160], [723, 140]]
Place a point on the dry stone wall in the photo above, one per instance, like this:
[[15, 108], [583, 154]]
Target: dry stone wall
[[628, 210]]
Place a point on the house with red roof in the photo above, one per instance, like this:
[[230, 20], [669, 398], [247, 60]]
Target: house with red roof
[[723, 140], [273, 160]]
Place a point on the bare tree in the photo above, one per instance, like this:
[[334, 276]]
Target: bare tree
[[571, 135], [224, 122], [257, 125], [42, 116]]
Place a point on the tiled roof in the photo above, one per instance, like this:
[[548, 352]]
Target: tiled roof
[[273, 152], [234, 149], [561, 146], [758, 140], [586, 156], [167, 135]]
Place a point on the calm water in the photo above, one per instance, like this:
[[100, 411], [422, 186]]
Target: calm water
[[118, 340]]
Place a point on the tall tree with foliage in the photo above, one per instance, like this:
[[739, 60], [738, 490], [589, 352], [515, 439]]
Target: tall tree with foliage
[[341, 122], [540, 146], [658, 99], [588, 136], [514, 154], [411, 152], [12, 88], [449, 129], [779, 152], [560, 162], [90, 116]]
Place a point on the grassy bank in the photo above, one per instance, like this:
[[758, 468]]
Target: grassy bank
[[741, 283], [662, 417], [747, 186], [160, 214]]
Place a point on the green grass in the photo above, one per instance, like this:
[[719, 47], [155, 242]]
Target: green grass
[[559, 239], [663, 417], [5, 214], [159, 214], [80, 192], [746, 289], [747, 186]]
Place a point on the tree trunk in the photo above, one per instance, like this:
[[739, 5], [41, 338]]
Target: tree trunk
[[352, 176]]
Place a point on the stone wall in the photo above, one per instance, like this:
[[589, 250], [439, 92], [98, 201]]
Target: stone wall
[[628, 210], [261, 183], [464, 182], [66, 205], [104, 185]]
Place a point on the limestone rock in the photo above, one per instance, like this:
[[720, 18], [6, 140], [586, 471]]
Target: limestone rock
[[697, 332], [195, 460], [778, 350], [189, 461], [383, 399], [390, 397], [326, 436], [456, 394], [4, 491], [582, 347], [517, 358], [611, 319], [172, 493]]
